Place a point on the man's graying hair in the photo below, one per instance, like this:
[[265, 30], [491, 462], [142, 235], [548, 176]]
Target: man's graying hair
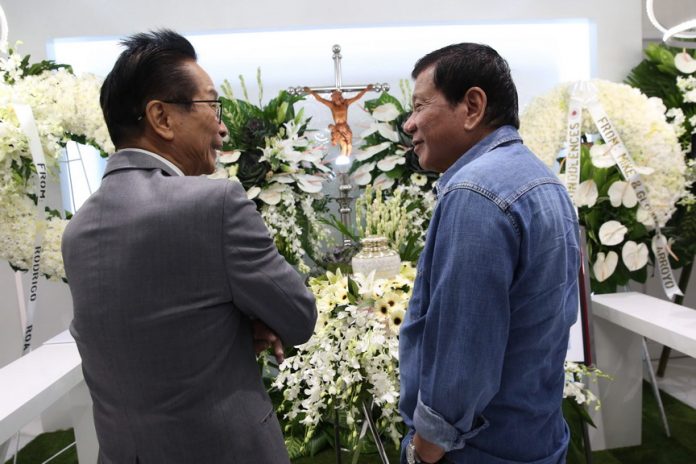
[[462, 66], [150, 68]]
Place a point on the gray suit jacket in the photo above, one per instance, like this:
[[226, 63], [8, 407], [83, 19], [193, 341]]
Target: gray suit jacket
[[166, 273]]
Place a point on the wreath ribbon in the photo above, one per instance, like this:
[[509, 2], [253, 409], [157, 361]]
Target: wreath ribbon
[[584, 95], [28, 126]]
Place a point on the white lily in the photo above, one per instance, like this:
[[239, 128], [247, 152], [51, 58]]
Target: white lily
[[385, 113], [621, 193], [383, 182], [362, 175], [310, 183], [612, 233], [227, 157], [586, 194], [634, 255], [253, 192], [272, 194], [389, 162], [372, 151], [605, 265], [601, 156]]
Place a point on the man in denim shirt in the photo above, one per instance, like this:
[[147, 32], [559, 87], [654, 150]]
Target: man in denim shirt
[[486, 332]]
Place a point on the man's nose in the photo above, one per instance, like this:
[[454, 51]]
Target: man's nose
[[409, 126], [223, 130]]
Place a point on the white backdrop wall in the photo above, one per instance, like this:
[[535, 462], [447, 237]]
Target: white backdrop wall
[[36, 22]]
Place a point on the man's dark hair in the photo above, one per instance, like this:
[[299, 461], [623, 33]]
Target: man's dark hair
[[462, 66], [150, 68]]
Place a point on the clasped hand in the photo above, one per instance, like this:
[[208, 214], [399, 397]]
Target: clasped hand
[[265, 338]]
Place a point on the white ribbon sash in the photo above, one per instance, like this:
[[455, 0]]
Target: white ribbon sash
[[586, 93], [28, 126]]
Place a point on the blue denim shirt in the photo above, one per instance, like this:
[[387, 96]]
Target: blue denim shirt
[[486, 332]]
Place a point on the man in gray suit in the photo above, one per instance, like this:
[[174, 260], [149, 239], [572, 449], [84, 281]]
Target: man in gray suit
[[174, 277]]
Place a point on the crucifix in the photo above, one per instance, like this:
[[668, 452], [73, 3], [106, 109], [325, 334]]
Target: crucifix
[[340, 130]]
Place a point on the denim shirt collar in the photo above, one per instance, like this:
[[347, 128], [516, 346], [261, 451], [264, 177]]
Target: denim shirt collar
[[500, 136]]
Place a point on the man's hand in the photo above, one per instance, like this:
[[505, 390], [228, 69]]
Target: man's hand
[[426, 451], [265, 338]]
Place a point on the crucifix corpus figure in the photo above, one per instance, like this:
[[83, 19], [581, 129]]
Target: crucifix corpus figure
[[340, 130], [341, 133]]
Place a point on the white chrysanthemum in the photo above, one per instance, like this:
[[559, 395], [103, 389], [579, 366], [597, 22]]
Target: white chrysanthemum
[[641, 123]]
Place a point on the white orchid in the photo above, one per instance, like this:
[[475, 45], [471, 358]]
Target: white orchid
[[634, 255], [605, 265], [390, 162], [621, 193], [385, 113], [587, 194], [612, 233]]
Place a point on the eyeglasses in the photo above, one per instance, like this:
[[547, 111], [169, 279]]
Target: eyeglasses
[[216, 105]]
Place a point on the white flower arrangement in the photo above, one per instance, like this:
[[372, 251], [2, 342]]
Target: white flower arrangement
[[282, 170], [65, 107], [386, 158], [608, 205], [575, 388], [352, 356]]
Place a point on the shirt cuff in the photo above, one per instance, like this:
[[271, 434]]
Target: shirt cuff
[[434, 428]]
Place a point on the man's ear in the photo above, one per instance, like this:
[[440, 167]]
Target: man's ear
[[160, 120], [476, 102]]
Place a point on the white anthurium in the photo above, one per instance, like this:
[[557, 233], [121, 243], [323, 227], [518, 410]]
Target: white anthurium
[[253, 192], [383, 182], [386, 131], [362, 175], [601, 156], [612, 233], [390, 162], [372, 151], [272, 194], [621, 193], [283, 179], [310, 183], [644, 217], [385, 113], [227, 157], [587, 194], [369, 131], [685, 63], [605, 265], [634, 255]]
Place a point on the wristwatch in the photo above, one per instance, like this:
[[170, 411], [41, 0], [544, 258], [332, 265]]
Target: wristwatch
[[411, 455]]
